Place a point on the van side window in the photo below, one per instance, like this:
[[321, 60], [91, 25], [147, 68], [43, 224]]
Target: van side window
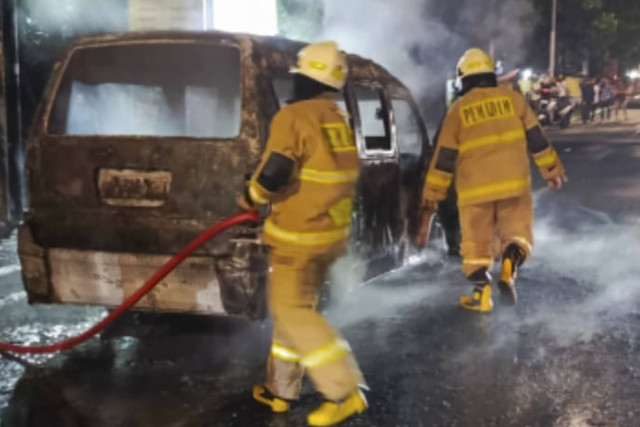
[[408, 131], [373, 119], [167, 90]]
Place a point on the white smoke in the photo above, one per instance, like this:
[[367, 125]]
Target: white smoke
[[355, 300], [389, 33], [420, 41], [67, 18], [596, 262], [584, 277]]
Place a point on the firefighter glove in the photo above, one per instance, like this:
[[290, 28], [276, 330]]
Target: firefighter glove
[[427, 212]]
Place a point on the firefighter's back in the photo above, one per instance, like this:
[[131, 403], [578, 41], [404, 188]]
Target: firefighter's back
[[493, 163]]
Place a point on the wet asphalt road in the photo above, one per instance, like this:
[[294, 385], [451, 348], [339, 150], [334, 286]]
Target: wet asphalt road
[[568, 356]]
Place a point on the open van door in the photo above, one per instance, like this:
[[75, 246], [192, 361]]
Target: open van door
[[378, 220]]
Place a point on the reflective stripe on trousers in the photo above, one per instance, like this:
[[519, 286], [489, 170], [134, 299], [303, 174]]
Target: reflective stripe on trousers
[[324, 355], [319, 238], [480, 262], [283, 353]]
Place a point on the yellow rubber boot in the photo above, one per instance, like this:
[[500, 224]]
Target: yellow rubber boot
[[331, 413], [262, 395], [507, 284], [512, 259], [479, 300]]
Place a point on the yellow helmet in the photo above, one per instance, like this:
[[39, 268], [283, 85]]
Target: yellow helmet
[[475, 61], [324, 63]]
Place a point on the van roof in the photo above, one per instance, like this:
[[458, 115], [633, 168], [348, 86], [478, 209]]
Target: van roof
[[281, 52]]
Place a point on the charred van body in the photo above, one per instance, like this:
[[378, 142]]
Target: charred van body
[[142, 141]]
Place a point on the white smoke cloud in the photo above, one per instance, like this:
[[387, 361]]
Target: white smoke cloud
[[418, 44], [390, 33], [73, 17], [583, 279], [355, 300], [597, 264]]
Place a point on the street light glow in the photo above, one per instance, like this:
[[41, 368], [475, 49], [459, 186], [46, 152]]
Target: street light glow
[[634, 74]]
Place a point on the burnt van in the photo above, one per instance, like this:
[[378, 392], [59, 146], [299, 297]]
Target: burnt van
[[143, 141]]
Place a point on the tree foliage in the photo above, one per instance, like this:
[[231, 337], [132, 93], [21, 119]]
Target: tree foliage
[[626, 44], [592, 30]]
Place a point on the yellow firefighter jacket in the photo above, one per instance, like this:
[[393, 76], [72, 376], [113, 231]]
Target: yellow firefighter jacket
[[484, 141], [309, 172]]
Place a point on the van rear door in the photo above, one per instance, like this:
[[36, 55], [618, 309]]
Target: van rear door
[[139, 146]]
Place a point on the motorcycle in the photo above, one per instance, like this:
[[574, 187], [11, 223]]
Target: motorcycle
[[562, 109]]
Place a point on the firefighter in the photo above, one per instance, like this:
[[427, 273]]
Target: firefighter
[[308, 173], [484, 141]]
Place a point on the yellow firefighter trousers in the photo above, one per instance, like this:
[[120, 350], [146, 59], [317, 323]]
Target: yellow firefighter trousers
[[508, 220], [302, 337]]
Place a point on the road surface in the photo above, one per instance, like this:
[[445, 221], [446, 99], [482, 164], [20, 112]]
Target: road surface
[[568, 356]]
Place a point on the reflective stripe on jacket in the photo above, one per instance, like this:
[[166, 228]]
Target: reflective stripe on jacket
[[312, 211]]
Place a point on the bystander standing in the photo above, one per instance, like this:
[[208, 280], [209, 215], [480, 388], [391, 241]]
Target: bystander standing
[[588, 100], [574, 91], [622, 92], [606, 99]]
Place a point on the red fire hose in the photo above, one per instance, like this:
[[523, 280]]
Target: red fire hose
[[167, 268]]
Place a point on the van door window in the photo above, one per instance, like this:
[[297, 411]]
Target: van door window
[[374, 121], [408, 131], [168, 90]]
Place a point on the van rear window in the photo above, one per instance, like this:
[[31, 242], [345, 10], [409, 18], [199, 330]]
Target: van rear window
[[167, 90]]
